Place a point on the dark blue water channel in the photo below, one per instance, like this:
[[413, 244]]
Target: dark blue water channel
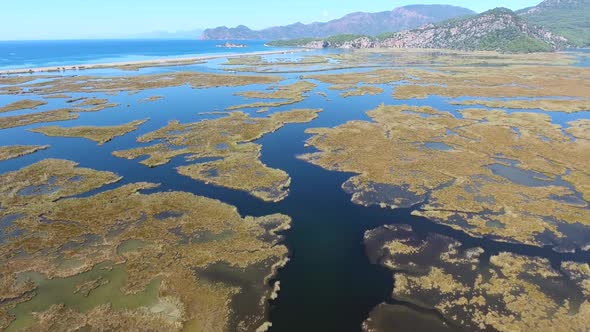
[[329, 283]]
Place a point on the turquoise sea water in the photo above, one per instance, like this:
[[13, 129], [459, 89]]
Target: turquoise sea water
[[31, 54]]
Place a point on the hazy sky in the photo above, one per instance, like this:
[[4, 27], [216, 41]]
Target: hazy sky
[[66, 19]]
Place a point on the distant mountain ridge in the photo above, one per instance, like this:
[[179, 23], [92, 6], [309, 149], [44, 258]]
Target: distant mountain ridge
[[569, 18], [554, 4], [402, 18], [498, 29]]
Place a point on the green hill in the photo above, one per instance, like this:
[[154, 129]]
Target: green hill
[[568, 18]]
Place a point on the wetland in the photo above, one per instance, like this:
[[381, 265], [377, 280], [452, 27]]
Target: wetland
[[371, 190]]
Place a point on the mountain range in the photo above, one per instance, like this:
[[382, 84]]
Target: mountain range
[[551, 25], [499, 29], [399, 19]]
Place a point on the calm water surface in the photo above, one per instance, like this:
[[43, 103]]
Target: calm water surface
[[329, 284]]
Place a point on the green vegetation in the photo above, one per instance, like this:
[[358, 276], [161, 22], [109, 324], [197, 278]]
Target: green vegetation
[[340, 39], [292, 42], [385, 35], [511, 40], [569, 20], [333, 41]]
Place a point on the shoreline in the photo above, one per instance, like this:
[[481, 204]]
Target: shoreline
[[135, 65]]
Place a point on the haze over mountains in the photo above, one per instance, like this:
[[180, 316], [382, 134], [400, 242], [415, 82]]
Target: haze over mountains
[[361, 23]]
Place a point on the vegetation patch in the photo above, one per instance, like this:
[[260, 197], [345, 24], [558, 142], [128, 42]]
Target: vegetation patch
[[292, 94], [500, 82], [98, 134], [459, 189], [379, 76], [92, 102], [21, 79], [550, 105], [363, 90], [512, 40], [297, 42], [242, 171], [15, 151], [57, 96], [63, 266], [228, 139], [510, 293], [22, 105], [73, 84], [152, 98], [41, 117], [260, 61]]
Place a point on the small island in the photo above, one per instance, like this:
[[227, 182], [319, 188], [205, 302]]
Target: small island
[[231, 45]]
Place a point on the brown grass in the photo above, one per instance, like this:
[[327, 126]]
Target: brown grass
[[98, 134], [15, 151], [22, 105]]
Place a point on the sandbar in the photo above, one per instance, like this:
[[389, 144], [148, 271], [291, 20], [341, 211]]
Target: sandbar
[[142, 63]]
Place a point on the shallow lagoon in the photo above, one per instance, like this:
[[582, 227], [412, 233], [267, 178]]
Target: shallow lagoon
[[329, 283]]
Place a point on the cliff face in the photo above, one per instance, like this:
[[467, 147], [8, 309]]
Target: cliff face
[[499, 29], [402, 18]]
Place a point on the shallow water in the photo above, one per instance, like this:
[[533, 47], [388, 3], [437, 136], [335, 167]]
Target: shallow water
[[438, 146], [329, 284], [59, 290]]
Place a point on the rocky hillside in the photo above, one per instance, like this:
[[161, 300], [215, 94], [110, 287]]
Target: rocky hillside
[[569, 18], [499, 29], [408, 17]]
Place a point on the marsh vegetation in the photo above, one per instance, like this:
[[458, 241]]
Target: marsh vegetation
[[492, 148]]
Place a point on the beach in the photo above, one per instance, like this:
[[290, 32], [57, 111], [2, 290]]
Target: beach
[[134, 65]]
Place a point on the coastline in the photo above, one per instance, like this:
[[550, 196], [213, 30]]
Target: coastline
[[135, 65]]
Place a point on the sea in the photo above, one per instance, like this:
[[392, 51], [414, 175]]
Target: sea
[[49, 53]]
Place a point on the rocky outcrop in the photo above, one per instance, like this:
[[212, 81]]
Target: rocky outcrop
[[408, 17]]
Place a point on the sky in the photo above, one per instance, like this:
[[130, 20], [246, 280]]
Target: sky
[[77, 19]]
